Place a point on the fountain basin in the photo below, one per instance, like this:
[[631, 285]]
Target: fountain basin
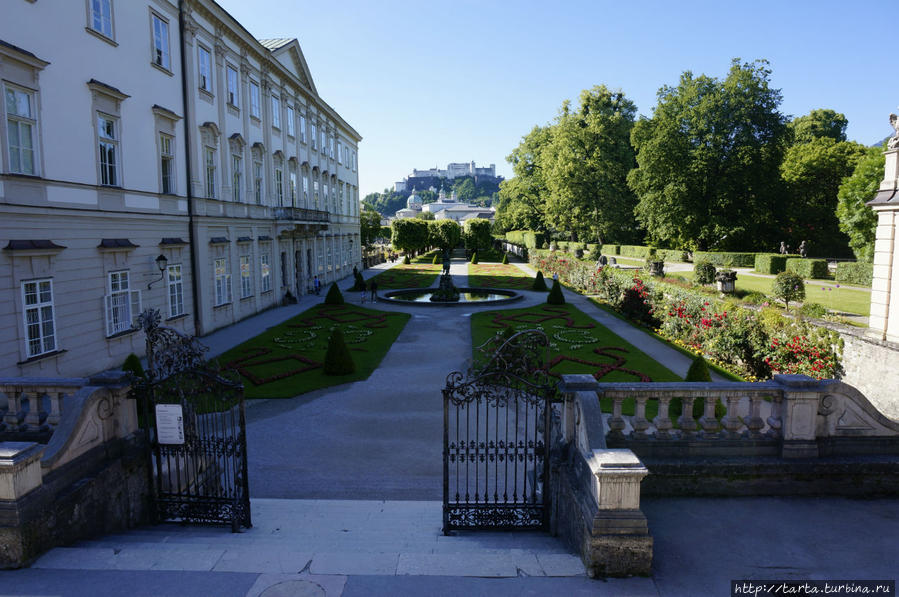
[[467, 296]]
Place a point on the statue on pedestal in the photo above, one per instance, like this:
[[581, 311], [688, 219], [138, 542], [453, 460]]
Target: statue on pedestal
[[893, 142]]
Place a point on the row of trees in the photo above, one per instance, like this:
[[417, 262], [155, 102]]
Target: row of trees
[[412, 235], [716, 166]]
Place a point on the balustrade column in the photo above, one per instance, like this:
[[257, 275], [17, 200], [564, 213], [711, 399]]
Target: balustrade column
[[686, 421], [708, 421], [616, 421], [754, 422], [663, 421], [33, 418], [14, 413], [732, 422], [640, 423]]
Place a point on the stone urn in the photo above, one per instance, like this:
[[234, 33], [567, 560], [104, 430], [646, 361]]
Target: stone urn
[[727, 281], [656, 268]]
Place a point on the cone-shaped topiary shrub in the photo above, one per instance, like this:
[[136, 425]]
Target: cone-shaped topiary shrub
[[359, 282], [555, 295], [334, 296], [539, 282], [699, 370], [132, 365], [474, 257], [505, 258], [406, 260], [338, 360]]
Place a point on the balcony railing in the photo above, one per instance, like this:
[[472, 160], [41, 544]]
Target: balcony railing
[[299, 214]]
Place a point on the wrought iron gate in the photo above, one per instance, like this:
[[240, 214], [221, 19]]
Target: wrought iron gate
[[496, 424], [196, 425]]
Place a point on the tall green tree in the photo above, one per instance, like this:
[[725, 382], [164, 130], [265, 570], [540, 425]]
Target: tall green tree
[[708, 161], [465, 190], [409, 234], [369, 226], [813, 172], [477, 234], [445, 234], [585, 166], [857, 220], [819, 124], [521, 198]]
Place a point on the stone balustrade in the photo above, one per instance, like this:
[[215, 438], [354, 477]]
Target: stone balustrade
[[796, 411], [34, 406]]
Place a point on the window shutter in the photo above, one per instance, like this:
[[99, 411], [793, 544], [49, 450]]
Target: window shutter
[[108, 301], [135, 307]]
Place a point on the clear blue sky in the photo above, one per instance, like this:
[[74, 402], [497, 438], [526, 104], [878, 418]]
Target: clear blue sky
[[427, 83]]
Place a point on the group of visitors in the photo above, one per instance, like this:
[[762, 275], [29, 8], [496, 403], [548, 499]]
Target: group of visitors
[[373, 289]]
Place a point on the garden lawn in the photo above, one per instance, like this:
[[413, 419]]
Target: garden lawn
[[578, 344], [287, 360], [413, 275], [843, 299], [498, 275]]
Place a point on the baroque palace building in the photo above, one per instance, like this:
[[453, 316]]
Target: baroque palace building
[[155, 154]]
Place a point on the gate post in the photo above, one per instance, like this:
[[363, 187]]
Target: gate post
[[598, 495]]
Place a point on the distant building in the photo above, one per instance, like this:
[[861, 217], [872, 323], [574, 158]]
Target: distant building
[[412, 209], [421, 179]]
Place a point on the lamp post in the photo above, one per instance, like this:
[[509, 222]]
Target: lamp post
[[161, 262]]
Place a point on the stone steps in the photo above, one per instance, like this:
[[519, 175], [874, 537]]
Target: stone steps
[[326, 537]]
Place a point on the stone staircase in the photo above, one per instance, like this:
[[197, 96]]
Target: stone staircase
[[326, 537]]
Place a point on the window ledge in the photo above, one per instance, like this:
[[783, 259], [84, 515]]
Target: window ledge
[[133, 330], [206, 94], [177, 317], [233, 110], [102, 36], [246, 298], [228, 304], [41, 357], [255, 120], [162, 68], [267, 291]]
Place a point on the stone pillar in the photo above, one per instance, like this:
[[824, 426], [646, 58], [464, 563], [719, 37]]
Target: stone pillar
[[20, 469], [799, 415], [884, 318]]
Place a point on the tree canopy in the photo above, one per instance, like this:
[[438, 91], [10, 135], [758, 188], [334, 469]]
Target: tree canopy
[[857, 220], [369, 226], [707, 174], [445, 234], [819, 124], [477, 234], [409, 234]]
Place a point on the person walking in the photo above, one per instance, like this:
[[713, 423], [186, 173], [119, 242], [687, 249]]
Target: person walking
[[374, 290], [362, 288], [317, 285]]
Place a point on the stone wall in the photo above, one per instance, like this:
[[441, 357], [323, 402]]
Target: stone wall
[[103, 491], [872, 366]]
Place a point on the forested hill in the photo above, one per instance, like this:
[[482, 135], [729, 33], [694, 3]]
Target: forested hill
[[467, 191]]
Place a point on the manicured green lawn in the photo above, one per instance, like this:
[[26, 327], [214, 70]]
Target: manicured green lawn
[[845, 299], [413, 275], [286, 360], [578, 344], [498, 275]]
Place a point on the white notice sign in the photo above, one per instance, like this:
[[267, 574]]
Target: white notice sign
[[169, 424]]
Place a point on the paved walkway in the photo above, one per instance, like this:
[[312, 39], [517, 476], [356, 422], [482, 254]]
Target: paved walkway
[[362, 468]]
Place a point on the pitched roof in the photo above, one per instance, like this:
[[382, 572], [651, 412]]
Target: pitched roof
[[274, 43]]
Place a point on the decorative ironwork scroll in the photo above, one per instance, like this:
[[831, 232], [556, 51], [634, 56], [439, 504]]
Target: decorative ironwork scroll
[[200, 477], [495, 437]]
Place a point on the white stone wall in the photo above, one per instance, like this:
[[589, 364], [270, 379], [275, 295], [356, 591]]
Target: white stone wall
[[872, 366]]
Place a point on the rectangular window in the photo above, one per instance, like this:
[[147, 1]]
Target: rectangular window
[[40, 326], [122, 304], [205, 64], [303, 129], [354, 161], [236, 176], [233, 88], [222, 282], [276, 111], [21, 125], [257, 182], [339, 153], [293, 187], [176, 290], [290, 125], [246, 279], [101, 16], [167, 164], [331, 152], [324, 141], [314, 135], [254, 99], [109, 142], [160, 42], [210, 173], [330, 262], [279, 185], [305, 189], [265, 261]]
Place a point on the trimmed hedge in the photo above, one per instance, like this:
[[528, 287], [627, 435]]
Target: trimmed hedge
[[555, 296], [859, 272], [636, 251], [539, 282], [809, 269], [672, 255], [334, 296], [338, 360], [526, 238], [611, 249], [771, 263], [719, 258]]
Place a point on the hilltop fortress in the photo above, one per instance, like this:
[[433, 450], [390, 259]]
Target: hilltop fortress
[[423, 179]]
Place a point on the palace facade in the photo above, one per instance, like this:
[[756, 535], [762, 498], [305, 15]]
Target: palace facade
[[156, 155]]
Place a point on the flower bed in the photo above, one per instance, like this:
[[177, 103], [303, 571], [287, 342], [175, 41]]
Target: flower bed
[[754, 345]]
